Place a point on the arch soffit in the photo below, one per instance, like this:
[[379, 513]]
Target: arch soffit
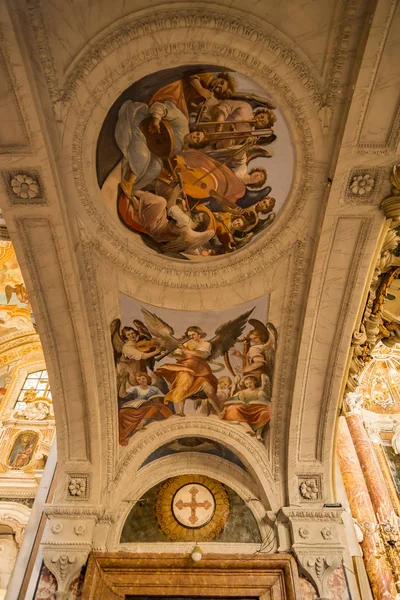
[[251, 452], [114, 62], [190, 463]]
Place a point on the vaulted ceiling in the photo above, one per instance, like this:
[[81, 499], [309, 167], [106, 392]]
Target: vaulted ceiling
[[332, 70]]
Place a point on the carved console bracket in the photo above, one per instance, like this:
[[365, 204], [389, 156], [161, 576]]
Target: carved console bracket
[[65, 562], [68, 542], [315, 542]]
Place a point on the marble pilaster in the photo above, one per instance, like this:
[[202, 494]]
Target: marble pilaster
[[374, 480], [380, 454], [378, 570]]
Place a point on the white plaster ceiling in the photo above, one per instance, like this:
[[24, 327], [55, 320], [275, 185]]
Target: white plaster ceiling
[[333, 69]]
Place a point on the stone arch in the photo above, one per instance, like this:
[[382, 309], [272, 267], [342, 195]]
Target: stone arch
[[251, 453], [192, 462]]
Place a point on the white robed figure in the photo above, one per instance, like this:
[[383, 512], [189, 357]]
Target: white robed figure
[[137, 157]]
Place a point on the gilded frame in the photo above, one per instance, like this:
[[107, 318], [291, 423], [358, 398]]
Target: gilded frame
[[113, 576]]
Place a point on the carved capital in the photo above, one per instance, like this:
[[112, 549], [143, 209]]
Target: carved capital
[[315, 542], [65, 563]]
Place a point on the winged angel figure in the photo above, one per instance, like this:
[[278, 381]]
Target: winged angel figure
[[191, 376]]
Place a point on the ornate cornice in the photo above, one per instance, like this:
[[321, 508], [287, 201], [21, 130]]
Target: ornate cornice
[[182, 16]]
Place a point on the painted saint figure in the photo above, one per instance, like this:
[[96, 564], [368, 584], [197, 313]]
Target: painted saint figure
[[22, 451], [251, 405], [143, 404]]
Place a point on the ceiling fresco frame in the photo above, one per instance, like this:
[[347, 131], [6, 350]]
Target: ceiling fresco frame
[[83, 123]]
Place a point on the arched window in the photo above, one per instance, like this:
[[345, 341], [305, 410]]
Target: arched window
[[36, 386]]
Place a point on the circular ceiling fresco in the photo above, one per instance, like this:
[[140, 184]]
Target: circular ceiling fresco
[[196, 161]]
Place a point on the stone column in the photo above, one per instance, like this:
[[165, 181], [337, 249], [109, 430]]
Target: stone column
[[378, 570]]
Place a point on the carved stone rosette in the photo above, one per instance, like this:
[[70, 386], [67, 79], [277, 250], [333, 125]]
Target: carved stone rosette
[[315, 542]]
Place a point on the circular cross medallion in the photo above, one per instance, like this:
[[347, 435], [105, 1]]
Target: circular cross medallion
[[193, 505], [192, 508]]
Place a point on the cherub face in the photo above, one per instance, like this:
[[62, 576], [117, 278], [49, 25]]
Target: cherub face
[[249, 383], [223, 385], [195, 137], [193, 335], [261, 120], [142, 380], [265, 205], [257, 177], [130, 335], [255, 339], [238, 223], [219, 85]]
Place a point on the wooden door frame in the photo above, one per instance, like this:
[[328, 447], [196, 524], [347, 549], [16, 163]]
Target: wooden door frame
[[112, 576]]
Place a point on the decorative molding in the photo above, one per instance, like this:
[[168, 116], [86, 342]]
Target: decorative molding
[[310, 488], [378, 174], [283, 369], [361, 184], [43, 46], [205, 427], [373, 328], [80, 529], [24, 187], [57, 528], [169, 19], [304, 533], [391, 143], [24, 148], [65, 562], [313, 515], [327, 533], [107, 374], [320, 551], [327, 396], [78, 486]]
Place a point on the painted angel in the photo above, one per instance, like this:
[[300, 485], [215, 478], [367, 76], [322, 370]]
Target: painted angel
[[191, 375], [250, 403], [259, 351], [133, 348]]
